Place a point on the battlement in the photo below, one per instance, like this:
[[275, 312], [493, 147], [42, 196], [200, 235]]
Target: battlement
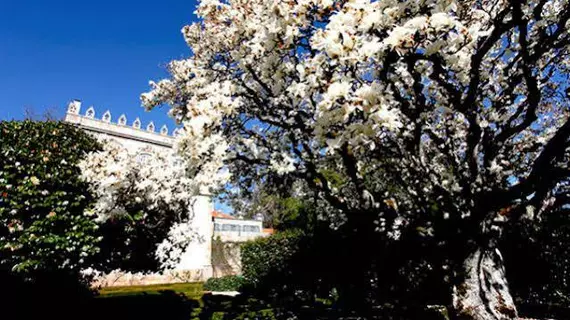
[[120, 128]]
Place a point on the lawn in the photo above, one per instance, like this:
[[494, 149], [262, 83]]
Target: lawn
[[180, 301], [192, 291]]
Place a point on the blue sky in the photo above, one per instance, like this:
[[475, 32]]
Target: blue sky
[[100, 52]]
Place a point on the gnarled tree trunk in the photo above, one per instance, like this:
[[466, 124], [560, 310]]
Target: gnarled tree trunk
[[484, 292]]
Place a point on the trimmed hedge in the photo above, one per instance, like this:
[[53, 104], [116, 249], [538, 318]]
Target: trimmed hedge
[[267, 256], [43, 225], [227, 283]]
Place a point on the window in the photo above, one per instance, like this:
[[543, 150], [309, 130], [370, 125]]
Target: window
[[251, 229], [217, 227], [231, 227]]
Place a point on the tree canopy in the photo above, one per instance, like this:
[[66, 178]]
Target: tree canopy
[[445, 117]]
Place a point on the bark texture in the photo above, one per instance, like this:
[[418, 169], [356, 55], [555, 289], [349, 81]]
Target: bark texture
[[484, 293]]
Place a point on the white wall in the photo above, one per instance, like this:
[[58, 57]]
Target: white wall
[[199, 253]]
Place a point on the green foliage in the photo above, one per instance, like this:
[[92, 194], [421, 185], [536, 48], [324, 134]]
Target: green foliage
[[264, 256], [43, 225], [130, 241], [227, 283], [336, 179], [280, 212]]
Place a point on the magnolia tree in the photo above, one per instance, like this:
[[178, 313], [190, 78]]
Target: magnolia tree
[[460, 106], [154, 196]]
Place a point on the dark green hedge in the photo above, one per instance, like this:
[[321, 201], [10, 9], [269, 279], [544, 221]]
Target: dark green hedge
[[227, 283], [267, 256], [43, 225]]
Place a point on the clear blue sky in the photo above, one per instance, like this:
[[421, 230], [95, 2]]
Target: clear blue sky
[[101, 52]]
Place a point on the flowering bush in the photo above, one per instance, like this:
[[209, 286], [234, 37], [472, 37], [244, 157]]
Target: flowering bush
[[43, 225], [139, 203], [124, 184]]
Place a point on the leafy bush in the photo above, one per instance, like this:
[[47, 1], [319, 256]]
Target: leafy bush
[[350, 269], [43, 221], [227, 283], [264, 256]]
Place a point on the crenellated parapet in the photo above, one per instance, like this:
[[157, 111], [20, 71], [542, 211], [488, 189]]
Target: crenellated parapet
[[134, 134], [74, 108]]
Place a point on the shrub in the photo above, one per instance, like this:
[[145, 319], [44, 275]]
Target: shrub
[[227, 283], [265, 256], [43, 222]]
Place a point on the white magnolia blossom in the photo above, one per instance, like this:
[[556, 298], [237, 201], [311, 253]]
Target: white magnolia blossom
[[170, 250], [457, 110], [118, 180], [266, 77], [252, 67], [159, 184], [162, 184]]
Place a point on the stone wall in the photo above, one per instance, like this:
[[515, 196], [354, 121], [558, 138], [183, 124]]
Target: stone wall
[[226, 258]]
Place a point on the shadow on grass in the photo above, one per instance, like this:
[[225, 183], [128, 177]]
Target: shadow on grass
[[166, 304], [56, 299], [60, 296]]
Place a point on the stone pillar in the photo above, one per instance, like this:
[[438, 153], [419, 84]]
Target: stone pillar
[[198, 255]]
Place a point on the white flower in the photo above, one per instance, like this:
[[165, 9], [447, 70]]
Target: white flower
[[34, 180], [339, 90], [417, 23], [371, 48], [400, 37], [370, 20], [283, 164], [440, 21], [388, 118]]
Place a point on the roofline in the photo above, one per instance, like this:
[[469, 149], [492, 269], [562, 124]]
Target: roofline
[[122, 135]]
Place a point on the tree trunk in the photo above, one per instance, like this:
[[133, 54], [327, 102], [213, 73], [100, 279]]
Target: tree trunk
[[483, 293]]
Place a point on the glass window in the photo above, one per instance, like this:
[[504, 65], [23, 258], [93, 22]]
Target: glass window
[[226, 227], [251, 228], [217, 227]]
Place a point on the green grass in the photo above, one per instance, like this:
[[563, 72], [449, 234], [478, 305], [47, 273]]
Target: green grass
[[192, 291]]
